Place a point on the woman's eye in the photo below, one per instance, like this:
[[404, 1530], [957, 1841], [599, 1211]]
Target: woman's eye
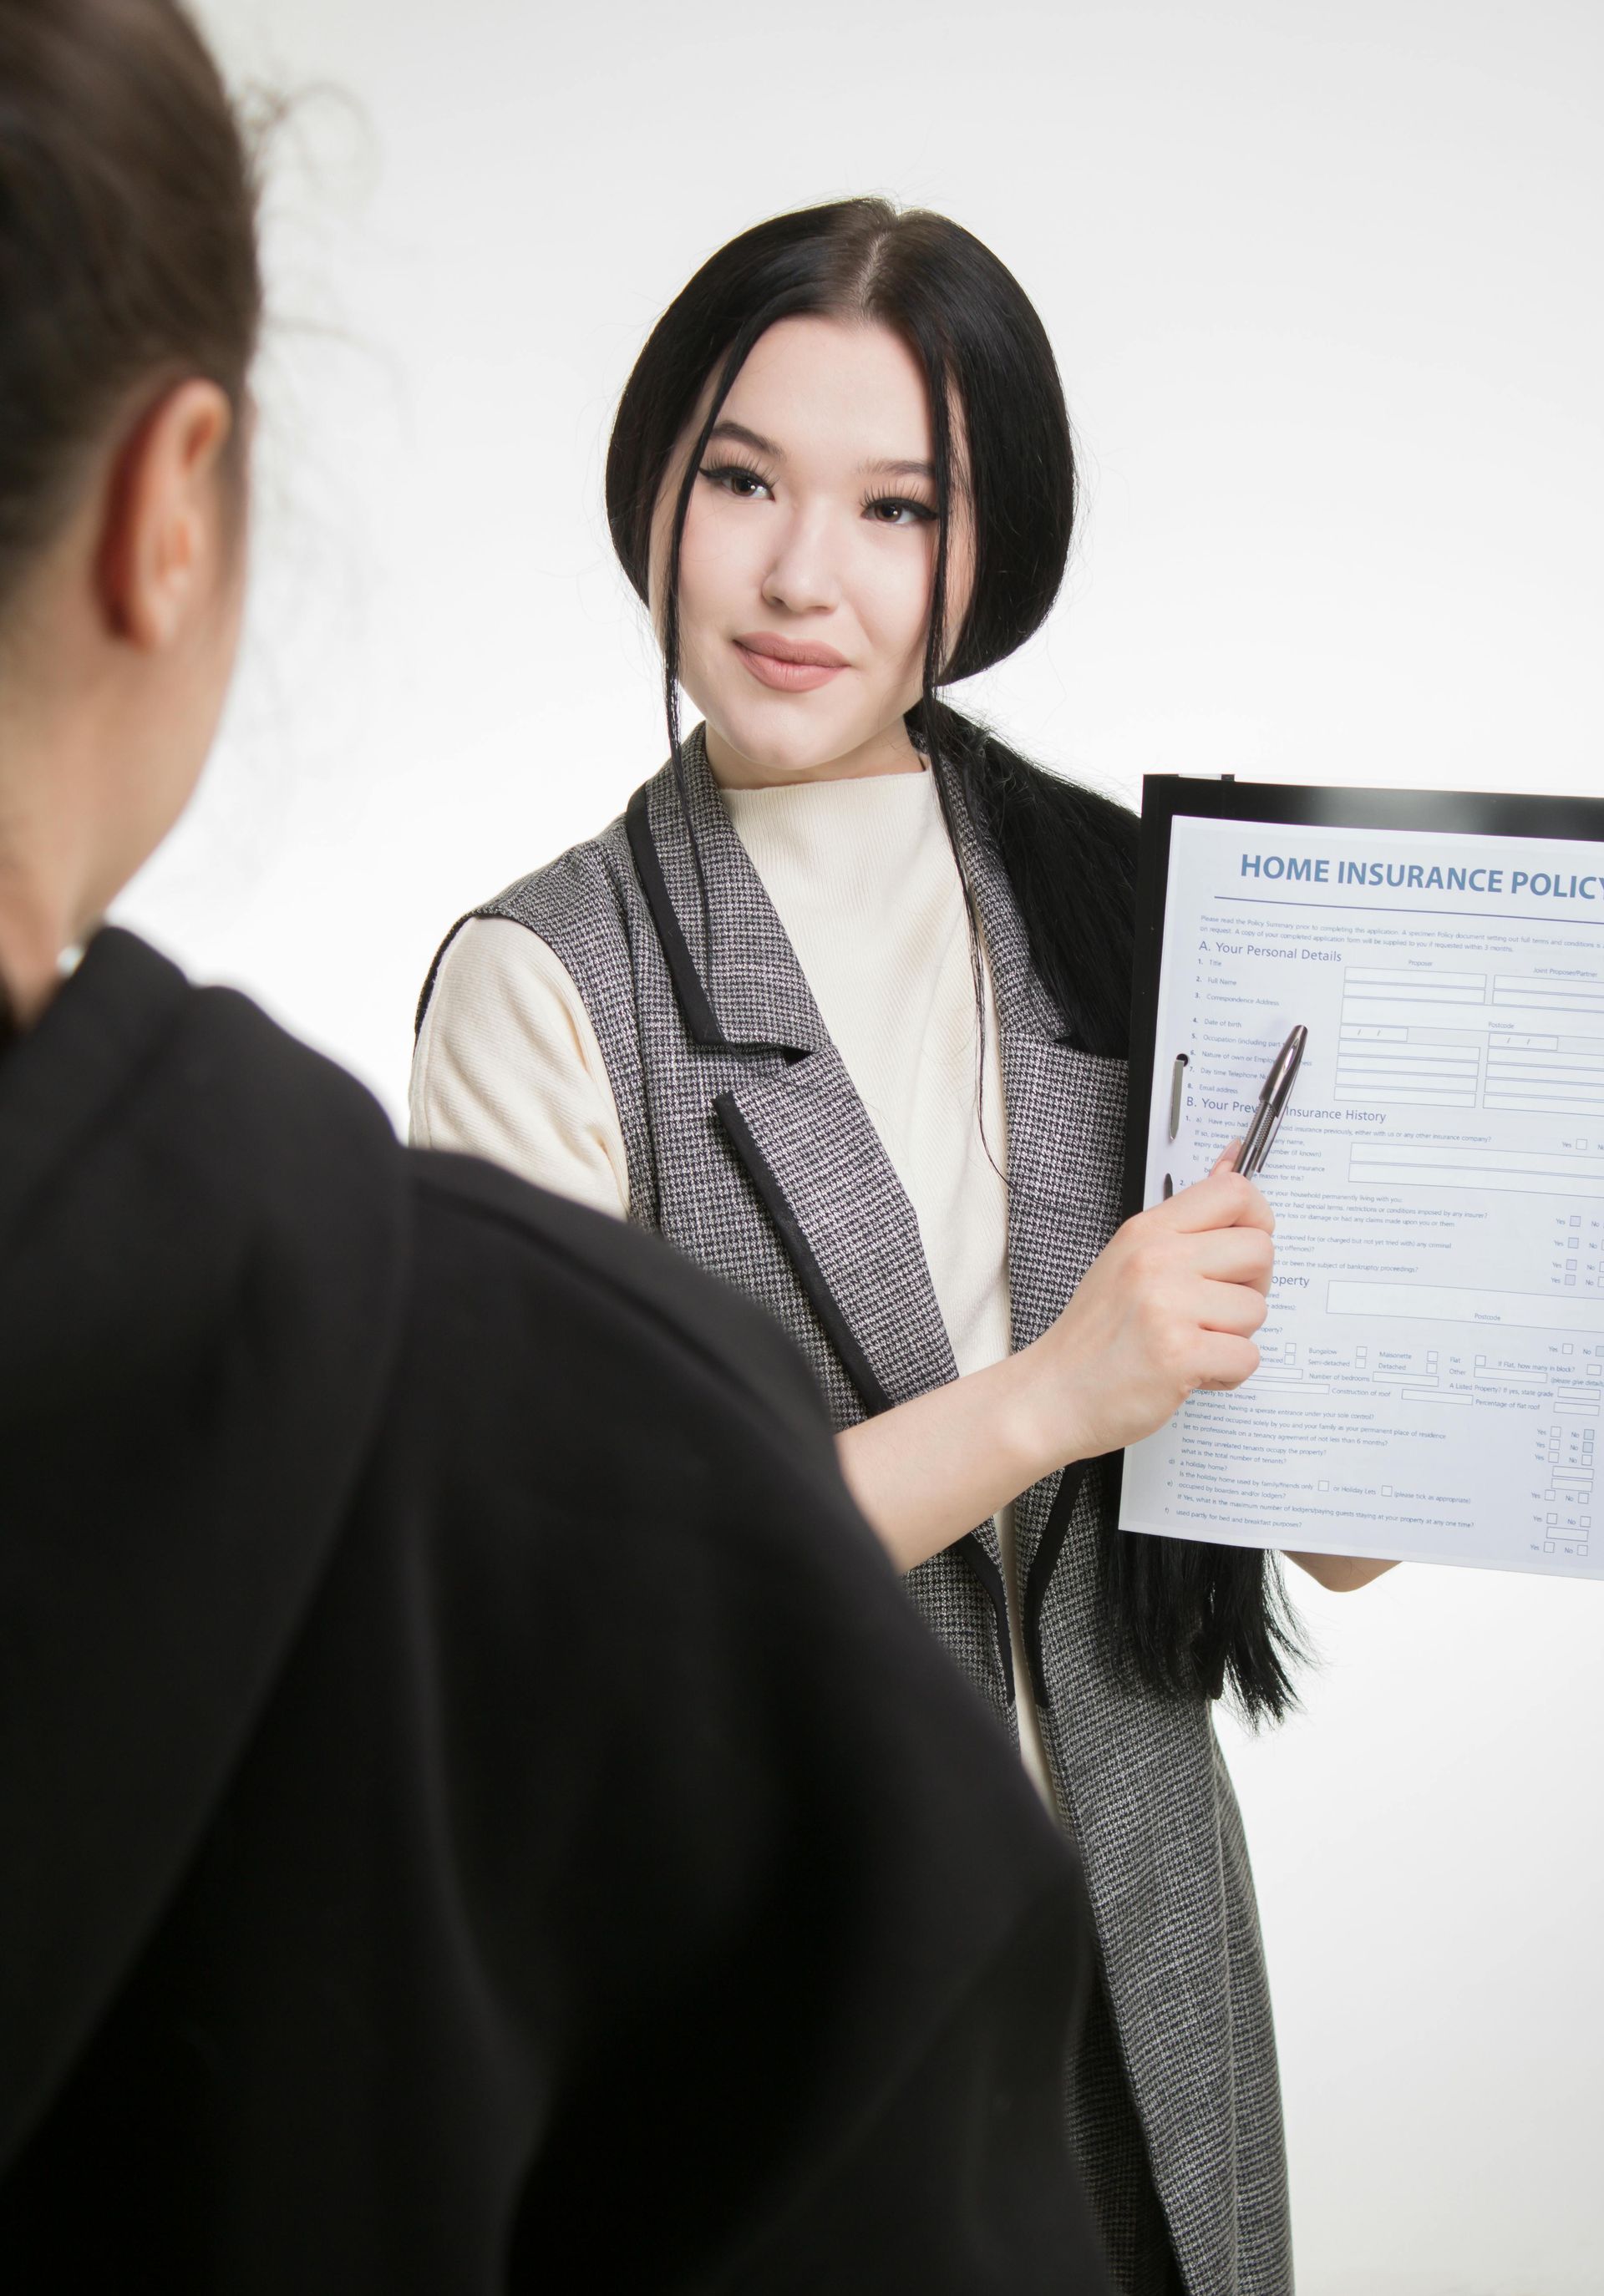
[[736, 478], [891, 510]]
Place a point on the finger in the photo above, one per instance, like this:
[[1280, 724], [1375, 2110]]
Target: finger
[[1236, 1309], [1224, 1200], [1223, 1361], [1233, 1255], [1226, 1160]]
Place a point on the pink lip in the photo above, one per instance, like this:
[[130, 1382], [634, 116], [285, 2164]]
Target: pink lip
[[789, 668]]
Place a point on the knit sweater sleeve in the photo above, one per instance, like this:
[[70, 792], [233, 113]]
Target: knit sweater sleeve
[[507, 1067]]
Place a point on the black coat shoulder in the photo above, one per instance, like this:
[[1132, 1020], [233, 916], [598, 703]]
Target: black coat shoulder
[[497, 1230], [534, 1840]]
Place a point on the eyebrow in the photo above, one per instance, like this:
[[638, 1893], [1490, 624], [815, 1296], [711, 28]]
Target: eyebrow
[[738, 432], [725, 428], [901, 471]]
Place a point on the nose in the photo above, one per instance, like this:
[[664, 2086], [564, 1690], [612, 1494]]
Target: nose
[[802, 577]]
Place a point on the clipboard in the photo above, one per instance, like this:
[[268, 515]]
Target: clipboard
[[1451, 1108], [1165, 797]]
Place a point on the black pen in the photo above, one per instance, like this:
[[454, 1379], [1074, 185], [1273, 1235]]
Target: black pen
[[1273, 1104]]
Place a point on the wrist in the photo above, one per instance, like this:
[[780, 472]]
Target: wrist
[[1042, 1426]]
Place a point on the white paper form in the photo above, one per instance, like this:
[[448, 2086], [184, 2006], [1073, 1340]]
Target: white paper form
[[1432, 1363]]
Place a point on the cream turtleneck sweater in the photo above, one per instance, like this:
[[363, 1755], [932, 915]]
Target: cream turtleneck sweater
[[862, 876]]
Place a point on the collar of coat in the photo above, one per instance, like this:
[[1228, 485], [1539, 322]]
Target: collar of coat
[[742, 989]]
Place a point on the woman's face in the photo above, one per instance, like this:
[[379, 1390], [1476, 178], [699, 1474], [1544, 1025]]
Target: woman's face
[[809, 555]]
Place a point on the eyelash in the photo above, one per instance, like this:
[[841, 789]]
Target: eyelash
[[923, 514], [719, 473]]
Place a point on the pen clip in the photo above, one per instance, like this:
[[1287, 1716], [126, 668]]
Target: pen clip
[[1272, 1104]]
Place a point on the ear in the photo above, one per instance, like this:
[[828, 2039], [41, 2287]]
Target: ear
[[162, 542]]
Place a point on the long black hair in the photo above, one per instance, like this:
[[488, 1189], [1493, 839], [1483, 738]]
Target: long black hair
[[1184, 1619]]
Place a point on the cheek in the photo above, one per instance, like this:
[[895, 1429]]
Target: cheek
[[657, 566], [720, 571], [894, 596], [699, 558]]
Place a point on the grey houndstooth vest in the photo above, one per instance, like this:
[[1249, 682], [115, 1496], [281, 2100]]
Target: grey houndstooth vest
[[751, 1150]]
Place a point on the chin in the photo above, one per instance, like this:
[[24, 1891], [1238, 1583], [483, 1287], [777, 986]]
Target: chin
[[786, 736]]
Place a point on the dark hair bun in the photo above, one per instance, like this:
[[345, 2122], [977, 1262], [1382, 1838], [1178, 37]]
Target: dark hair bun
[[128, 238]]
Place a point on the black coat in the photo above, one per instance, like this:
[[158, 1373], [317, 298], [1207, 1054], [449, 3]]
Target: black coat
[[476, 1811]]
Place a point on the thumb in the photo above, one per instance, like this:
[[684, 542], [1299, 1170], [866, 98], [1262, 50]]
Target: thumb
[[1226, 1160]]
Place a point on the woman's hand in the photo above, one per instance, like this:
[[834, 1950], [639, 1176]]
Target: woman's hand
[[1171, 1304]]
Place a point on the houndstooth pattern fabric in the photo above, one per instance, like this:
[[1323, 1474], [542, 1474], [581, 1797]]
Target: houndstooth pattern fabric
[[1174, 2089]]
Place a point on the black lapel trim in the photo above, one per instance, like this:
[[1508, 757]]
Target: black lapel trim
[[991, 1581], [694, 1002], [841, 1338], [1053, 1535], [814, 1282], [690, 991]]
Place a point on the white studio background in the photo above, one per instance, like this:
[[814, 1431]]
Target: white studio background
[[1324, 284]]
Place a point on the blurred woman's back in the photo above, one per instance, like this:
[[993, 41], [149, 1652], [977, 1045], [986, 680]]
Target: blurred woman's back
[[449, 1835]]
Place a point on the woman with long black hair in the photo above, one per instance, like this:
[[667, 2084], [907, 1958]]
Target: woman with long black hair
[[839, 1007]]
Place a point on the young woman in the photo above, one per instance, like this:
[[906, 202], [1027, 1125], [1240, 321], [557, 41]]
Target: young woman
[[350, 1942], [839, 1007]]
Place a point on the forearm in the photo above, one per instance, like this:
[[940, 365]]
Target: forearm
[[926, 1473], [1342, 1574], [1168, 1306]]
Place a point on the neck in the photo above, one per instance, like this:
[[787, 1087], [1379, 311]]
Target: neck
[[888, 751], [34, 932], [45, 863]]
